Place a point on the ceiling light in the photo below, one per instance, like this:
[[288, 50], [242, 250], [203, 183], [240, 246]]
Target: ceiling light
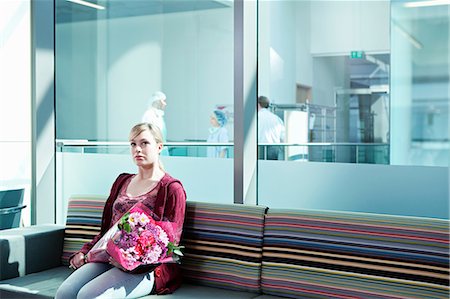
[[86, 3], [427, 3]]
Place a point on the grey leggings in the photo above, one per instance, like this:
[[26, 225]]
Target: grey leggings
[[101, 280]]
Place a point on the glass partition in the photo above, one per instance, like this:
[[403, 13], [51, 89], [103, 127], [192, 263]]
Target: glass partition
[[114, 60], [362, 82], [89, 168], [345, 78], [420, 83], [324, 67]]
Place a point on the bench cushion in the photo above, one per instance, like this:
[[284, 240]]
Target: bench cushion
[[324, 254], [18, 247], [44, 283], [84, 216], [223, 245]]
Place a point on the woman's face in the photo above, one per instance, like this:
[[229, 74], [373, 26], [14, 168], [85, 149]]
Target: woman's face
[[213, 121], [145, 150]]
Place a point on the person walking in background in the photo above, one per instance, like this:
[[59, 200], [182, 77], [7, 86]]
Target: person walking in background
[[154, 115], [217, 133], [270, 130], [159, 192]]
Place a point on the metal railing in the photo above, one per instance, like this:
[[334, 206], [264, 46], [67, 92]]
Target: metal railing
[[344, 152]]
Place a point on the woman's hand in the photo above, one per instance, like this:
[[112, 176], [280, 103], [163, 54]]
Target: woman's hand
[[77, 260]]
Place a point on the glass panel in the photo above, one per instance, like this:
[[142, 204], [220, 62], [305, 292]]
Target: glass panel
[[110, 61], [15, 111], [324, 66], [99, 164], [420, 83]]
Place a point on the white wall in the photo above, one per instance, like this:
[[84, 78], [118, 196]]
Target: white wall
[[330, 73], [134, 70], [198, 69], [339, 27], [264, 21], [304, 68], [282, 52]]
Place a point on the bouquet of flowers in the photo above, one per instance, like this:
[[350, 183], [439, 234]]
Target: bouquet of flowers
[[139, 239]]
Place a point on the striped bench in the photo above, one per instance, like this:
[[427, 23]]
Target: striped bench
[[223, 245], [83, 223], [244, 252], [325, 254], [223, 250], [223, 242]]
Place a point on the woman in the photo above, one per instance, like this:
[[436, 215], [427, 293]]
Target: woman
[[160, 192], [217, 134]]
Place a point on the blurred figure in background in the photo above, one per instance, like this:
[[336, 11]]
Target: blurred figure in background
[[217, 133], [270, 130], [154, 115]]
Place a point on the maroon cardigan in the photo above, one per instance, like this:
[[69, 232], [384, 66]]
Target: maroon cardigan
[[170, 204]]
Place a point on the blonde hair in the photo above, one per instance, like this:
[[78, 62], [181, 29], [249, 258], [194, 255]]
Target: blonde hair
[[154, 130]]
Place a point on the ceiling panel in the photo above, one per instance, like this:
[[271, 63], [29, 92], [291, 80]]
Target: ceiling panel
[[67, 12]]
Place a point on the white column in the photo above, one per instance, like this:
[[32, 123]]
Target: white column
[[43, 113], [245, 86]]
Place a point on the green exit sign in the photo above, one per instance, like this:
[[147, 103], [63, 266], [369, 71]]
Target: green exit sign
[[357, 54]]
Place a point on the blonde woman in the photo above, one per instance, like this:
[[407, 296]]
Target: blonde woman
[[160, 192]]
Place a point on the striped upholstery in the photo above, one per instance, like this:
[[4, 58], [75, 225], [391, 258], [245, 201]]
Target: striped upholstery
[[324, 254], [84, 215], [223, 245]]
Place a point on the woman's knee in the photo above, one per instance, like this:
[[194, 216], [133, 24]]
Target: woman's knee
[[66, 291], [90, 291], [85, 293]]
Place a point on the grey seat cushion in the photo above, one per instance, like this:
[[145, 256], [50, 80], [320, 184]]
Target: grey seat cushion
[[44, 283], [18, 248]]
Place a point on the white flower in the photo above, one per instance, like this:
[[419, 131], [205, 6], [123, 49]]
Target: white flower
[[152, 255], [129, 255], [163, 236], [143, 219], [133, 219]]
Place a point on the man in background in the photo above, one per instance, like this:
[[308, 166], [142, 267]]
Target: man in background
[[270, 130]]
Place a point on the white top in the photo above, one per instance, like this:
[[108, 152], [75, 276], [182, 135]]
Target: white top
[[219, 134], [270, 127], [155, 117]]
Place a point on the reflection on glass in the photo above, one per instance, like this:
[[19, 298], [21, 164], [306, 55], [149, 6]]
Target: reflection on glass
[[420, 83]]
